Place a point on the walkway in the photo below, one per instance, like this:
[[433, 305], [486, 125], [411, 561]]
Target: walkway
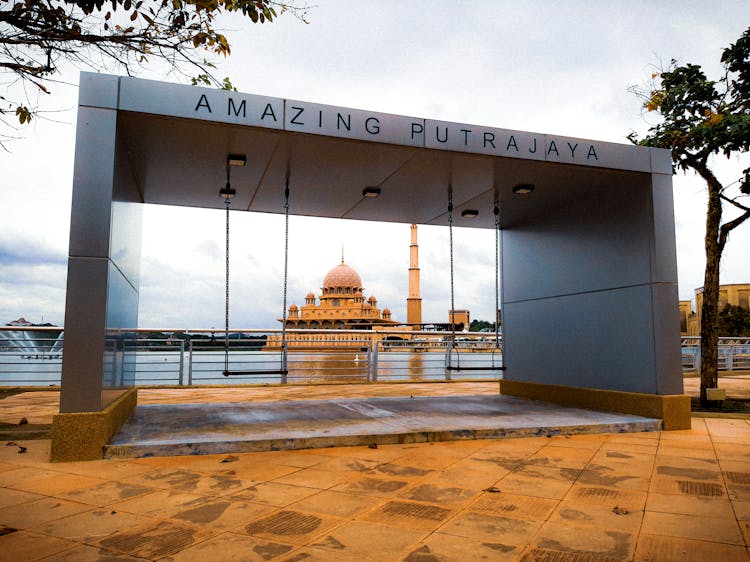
[[653, 496]]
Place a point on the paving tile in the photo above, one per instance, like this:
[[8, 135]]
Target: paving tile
[[274, 493], [608, 496], [347, 464], [260, 471], [367, 541], [105, 493], [338, 504], [34, 513], [189, 481], [312, 478], [108, 469], [22, 546], [486, 527], [742, 510], [218, 514], [708, 473], [10, 497], [86, 553], [619, 517], [523, 507], [689, 505], [398, 470], [564, 457], [150, 540], [732, 451], [290, 526], [592, 541], [534, 485], [593, 442], [696, 488], [653, 548], [379, 487], [710, 463], [56, 483], [501, 461], [439, 546], [90, 526], [7, 466], [717, 529], [231, 546], [613, 477], [157, 503], [443, 495], [409, 515]]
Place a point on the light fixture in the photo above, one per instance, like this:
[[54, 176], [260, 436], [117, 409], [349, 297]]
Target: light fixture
[[523, 188], [236, 160], [470, 213], [371, 192]]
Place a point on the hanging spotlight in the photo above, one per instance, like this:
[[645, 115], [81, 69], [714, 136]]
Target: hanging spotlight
[[470, 213], [236, 160], [371, 192], [227, 192], [523, 188]]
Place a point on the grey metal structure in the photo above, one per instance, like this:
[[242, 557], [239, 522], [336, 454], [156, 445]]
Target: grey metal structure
[[589, 255]]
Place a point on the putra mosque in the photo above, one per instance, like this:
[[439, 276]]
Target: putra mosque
[[342, 305]]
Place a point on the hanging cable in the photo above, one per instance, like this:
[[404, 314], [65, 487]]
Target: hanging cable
[[453, 306], [284, 369], [496, 211], [227, 193]]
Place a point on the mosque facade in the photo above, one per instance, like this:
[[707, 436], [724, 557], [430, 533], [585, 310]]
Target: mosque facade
[[341, 306]]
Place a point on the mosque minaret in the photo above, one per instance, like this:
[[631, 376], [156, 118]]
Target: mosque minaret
[[414, 300]]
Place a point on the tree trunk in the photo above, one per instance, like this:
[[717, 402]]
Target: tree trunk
[[710, 307]]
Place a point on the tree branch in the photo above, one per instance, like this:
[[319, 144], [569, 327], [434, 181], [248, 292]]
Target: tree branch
[[726, 228], [733, 202]]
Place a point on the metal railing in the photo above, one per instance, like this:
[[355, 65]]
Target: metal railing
[[195, 357], [734, 354], [33, 356]]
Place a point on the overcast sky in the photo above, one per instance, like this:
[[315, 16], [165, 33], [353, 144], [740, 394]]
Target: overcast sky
[[547, 67]]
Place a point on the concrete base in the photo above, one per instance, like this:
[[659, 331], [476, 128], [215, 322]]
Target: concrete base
[[82, 436], [194, 429], [674, 410]]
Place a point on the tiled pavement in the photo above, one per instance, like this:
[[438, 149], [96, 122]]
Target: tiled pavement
[[682, 495], [646, 496]]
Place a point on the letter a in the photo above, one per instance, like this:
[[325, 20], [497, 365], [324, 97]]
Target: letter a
[[203, 102], [591, 153], [552, 146], [268, 111]]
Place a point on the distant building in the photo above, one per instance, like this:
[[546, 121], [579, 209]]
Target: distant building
[[342, 305], [460, 318], [20, 322], [736, 294]]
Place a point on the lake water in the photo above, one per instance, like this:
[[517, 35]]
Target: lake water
[[167, 368]]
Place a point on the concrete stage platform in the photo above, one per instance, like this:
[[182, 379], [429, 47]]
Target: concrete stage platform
[[234, 427]]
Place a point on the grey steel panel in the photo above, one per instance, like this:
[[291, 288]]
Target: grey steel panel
[[586, 152], [208, 104], [85, 314], [667, 352], [145, 96], [125, 244], [122, 301], [93, 178], [599, 241], [98, 90], [332, 121], [661, 161], [664, 252], [601, 339]]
